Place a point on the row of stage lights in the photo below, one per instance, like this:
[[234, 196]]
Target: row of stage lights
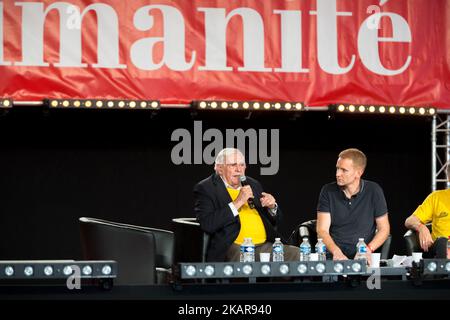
[[271, 269], [248, 105], [103, 104], [7, 103], [351, 108], [56, 269], [224, 270]]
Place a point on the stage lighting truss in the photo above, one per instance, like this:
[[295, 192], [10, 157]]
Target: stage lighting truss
[[103, 104], [248, 105], [435, 266], [57, 269], [272, 269], [6, 103], [389, 110]]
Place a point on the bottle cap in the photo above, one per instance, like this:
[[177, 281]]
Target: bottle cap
[[361, 239]]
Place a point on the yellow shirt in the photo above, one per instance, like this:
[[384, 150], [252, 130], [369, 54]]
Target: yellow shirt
[[251, 223], [436, 208]]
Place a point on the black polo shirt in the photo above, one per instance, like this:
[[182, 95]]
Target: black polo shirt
[[355, 217]]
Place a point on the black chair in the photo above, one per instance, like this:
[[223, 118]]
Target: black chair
[[191, 242], [308, 229], [412, 241], [144, 255]]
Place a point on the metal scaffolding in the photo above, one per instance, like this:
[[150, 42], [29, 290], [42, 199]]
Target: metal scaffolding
[[440, 151]]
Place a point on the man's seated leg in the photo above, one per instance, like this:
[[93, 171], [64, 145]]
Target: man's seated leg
[[233, 253], [291, 253]]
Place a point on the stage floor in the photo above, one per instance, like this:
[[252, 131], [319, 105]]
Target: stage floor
[[389, 290]]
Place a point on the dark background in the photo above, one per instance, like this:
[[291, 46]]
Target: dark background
[[60, 165]]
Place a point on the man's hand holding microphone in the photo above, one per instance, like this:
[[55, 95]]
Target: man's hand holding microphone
[[246, 196]]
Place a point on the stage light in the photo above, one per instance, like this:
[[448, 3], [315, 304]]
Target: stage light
[[87, 270], [246, 105], [28, 271], [228, 270], [432, 267], [447, 267], [6, 103], [209, 270], [67, 270], [106, 270], [320, 268], [284, 269], [247, 269], [356, 267], [265, 269], [302, 268], [338, 267], [101, 104], [190, 271], [350, 108], [9, 271], [48, 270]]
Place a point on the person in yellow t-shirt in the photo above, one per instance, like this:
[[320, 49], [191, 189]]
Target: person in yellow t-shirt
[[435, 209], [230, 211]]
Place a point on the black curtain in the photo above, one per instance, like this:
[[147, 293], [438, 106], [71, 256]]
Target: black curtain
[[61, 165]]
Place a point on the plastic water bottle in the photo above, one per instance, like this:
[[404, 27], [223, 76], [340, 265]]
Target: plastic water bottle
[[361, 249], [278, 250], [305, 250], [247, 251], [321, 250]]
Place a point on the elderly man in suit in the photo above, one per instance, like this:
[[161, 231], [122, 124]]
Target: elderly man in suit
[[230, 211]]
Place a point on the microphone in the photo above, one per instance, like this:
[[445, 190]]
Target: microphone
[[250, 201]]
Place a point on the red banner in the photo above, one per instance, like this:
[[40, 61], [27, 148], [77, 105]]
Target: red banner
[[387, 52]]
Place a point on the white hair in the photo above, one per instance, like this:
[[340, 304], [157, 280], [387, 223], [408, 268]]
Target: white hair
[[224, 153]]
